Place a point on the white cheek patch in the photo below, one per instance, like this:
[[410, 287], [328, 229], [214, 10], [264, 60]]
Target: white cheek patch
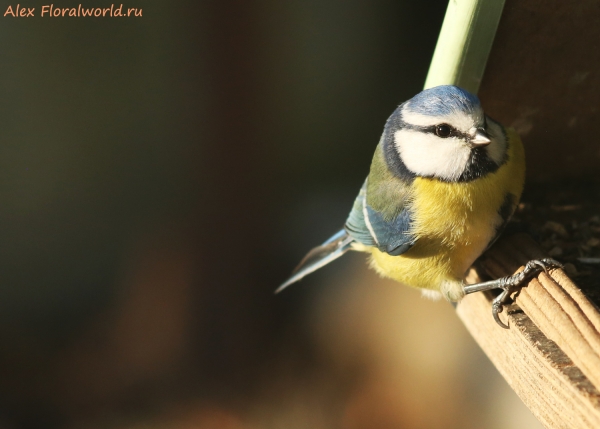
[[458, 120], [426, 154], [496, 150]]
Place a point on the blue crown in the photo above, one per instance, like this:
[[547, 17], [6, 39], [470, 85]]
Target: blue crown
[[444, 100]]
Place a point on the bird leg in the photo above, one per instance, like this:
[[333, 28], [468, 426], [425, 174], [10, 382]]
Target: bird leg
[[509, 284]]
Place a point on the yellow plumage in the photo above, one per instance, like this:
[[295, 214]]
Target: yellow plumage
[[454, 222], [444, 181]]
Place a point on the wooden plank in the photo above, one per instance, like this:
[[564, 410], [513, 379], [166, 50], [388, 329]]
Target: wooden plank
[[544, 377], [542, 78], [551, 354], [464, 43]]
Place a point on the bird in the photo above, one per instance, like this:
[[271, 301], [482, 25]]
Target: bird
[[444, 181]]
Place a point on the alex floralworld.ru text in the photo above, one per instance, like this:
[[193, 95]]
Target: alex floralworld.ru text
[[55, 12]]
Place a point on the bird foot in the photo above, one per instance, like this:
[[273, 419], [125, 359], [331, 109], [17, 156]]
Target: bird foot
[[515, 282]]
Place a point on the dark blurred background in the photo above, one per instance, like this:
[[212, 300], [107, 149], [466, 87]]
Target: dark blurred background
[[161, 175]]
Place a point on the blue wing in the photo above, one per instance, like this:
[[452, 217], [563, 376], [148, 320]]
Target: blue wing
[[320, 256], [367, 226], [364, 225]]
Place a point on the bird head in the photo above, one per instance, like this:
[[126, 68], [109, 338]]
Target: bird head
[[443, 133]]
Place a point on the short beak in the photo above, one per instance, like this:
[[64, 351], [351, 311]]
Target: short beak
[[480, 138]]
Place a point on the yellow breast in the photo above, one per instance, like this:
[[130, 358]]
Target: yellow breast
[[453, 223]]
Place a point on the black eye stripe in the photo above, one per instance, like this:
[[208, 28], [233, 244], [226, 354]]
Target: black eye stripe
[[431, 129]]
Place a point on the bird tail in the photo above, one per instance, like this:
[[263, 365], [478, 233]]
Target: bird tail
[[320, 256]]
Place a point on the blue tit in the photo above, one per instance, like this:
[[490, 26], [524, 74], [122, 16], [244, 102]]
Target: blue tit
[[444, 181]]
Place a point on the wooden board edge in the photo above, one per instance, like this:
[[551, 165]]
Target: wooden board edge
[[544, 377]]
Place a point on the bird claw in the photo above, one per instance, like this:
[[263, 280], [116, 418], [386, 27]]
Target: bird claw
[[535, 266], [511, 283], [498, 307]]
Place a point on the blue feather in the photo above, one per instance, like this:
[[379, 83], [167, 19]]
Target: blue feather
[[444, 100], [355, 224], [391, 236], [320, 256]]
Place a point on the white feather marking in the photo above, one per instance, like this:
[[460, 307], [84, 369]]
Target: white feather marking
[[367, 221], [433, 295], [452, 290], [459, 120], [428, 155]]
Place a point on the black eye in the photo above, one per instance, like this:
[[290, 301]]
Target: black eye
[[443, 130]]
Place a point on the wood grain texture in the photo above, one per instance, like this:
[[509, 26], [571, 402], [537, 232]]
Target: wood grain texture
[[551, 354]]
